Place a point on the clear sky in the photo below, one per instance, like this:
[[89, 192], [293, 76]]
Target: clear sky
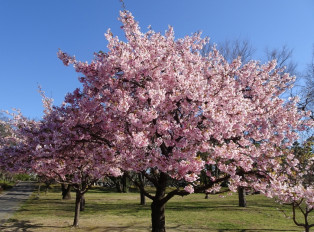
[[32, 31]]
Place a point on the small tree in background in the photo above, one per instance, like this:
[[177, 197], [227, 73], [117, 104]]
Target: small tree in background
[[297, 188], [307, 95], [56, 148]]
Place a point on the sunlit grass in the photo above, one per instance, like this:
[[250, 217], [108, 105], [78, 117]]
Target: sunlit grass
[[109, 211]]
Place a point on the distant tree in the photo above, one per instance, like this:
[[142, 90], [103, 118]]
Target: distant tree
[[5, 129], [141, 181], [307, 96], [66, 191], [298, 189], [284, 58], [304, 153], [121, 183], [6, 140], [232, 49]]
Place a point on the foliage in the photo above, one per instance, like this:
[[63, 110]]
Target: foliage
[[297, 189], [166, 102]]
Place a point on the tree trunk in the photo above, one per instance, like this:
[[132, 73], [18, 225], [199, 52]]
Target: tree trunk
[[124, 180], [242, 199], [47, 186], [77, 208], [82, 203], [143, 200], [118, 184], [158, 205], [66, 191], [38, 190], [306, 214], [158, 217], [142, 196]]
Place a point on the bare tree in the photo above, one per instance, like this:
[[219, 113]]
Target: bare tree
[[284, 57], [231, 50], [307, 102]]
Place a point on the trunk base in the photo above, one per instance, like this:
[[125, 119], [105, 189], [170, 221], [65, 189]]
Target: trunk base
[[158, 217], [242, 197], [66, 191]]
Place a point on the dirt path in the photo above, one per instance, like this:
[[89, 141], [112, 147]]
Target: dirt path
[[11, 200]]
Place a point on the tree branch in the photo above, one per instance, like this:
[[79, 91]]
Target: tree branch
[[174, 193], [141, 187]]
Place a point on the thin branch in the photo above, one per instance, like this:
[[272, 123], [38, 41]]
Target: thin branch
[[294, 217], [141, 187], [201, 189], [174, 193]]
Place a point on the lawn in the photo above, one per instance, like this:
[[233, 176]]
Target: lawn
[[109, 211]]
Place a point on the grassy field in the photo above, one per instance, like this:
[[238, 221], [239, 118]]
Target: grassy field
[[109, 212]]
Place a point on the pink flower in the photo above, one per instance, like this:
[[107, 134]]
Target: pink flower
[[189, 188]]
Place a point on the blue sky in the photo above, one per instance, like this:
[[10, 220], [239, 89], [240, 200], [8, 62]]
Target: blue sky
[[33, 30]]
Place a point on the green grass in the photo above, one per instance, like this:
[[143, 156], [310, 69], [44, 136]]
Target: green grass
[[108, 211]]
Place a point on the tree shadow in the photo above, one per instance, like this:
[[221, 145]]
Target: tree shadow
[[14, 225], [118, 228], [251, 230]]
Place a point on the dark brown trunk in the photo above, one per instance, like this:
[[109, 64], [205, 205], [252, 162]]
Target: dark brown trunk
[[158, 217], [47, 187], [124, 180], [158, 205], [66, 191], [242, 199], [306, 214], [77, 208], [38, 192], [142, 196], [82, 204], [118, 186], [143, 200]]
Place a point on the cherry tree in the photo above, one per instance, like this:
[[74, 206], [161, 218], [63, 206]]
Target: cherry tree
[[55, 147], [165, 104], [296, 188], [15, 155]]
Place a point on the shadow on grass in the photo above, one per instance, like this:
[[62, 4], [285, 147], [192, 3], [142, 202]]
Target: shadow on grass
[[251, 230], [118, 228], [93, 190], [37, 206], [14, 225], [178, 228], [115, 209], [133, 208]]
